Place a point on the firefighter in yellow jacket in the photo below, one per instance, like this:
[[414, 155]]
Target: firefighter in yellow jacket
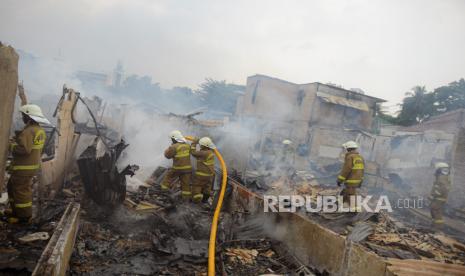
[[26, 148], [352, 171], [205, 172], [439, 193], [181, 170]]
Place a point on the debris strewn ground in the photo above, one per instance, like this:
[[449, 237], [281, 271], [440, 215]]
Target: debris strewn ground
[[397, 235], [21, 246], [154, 233]]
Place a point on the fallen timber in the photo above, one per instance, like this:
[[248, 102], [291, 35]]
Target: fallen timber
[[55, 258]]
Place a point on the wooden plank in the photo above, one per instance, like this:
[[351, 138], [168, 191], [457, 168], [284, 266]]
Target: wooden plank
[[8, 84], [423, 267], [55, 258]]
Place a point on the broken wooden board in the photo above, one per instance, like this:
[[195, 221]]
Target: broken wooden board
[[54, 171], [423, 267], [8, 84], [55, 258]]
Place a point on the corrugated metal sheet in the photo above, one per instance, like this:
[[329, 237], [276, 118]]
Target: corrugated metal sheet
[[421, 267], [343, 101]]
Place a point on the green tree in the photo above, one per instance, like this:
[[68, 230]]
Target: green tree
[[219, 95], [417, 106], [383, 115], [450, 97]]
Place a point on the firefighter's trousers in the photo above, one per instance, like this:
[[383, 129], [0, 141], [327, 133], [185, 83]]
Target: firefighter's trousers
[[201, 187], [183, 176], [20, 195], [348, 191], [436, 208]]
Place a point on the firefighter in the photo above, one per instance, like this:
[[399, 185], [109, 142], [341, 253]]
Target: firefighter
[[179, 151], [439, 193], [205, 173], [352, 172], [26, 149]]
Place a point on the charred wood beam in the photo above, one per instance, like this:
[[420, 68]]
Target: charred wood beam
[[55, 258]]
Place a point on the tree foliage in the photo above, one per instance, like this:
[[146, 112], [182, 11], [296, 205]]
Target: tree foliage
[[420, 104], [215, 95], [219, 95]]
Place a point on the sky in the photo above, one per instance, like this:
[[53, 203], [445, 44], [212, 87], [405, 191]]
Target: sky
[[384, 47]]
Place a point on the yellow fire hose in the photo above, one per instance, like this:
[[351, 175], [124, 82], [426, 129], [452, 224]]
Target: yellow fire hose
[[216, 215]]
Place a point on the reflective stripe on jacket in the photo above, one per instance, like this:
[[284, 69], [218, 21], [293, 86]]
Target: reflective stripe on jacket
[[180, 153], [205, 161], [27, 150], [353, 169]]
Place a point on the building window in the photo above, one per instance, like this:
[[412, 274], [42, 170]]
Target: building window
[[254, 94], [300, 97]]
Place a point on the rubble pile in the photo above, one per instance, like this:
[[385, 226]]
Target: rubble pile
[[98, 168], [154, 233], [396, 235], [257, 257], [21, 246], [392, 239], [147, 235]]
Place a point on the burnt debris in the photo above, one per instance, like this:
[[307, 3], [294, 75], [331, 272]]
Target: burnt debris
[[103, 182]]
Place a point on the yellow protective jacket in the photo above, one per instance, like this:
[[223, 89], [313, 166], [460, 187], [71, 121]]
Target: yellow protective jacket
[[352, 170], [27, 150], [205, 161], [180, 153], [441, 187]]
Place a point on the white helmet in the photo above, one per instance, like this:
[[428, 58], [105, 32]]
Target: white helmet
[[35, 113], [287, 142], [177, 136], [441, 165], [350, 145], [207, 142]]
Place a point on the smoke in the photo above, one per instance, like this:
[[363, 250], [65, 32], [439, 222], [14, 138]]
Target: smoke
[[148, 136]]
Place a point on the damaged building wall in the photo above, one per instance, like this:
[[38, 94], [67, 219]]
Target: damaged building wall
[[314, 103], [411, 156], [8, 85], [338, 107], [326, 142], [458, 169], [311, 115], [54, 171], [453, 124], [318, 118]]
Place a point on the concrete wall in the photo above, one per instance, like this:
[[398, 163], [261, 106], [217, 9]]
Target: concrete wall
[[452, 124], [269, 98], [412, 156], [449, 122], [276, 101], [8, 86], [457, 193], [276, 109]]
